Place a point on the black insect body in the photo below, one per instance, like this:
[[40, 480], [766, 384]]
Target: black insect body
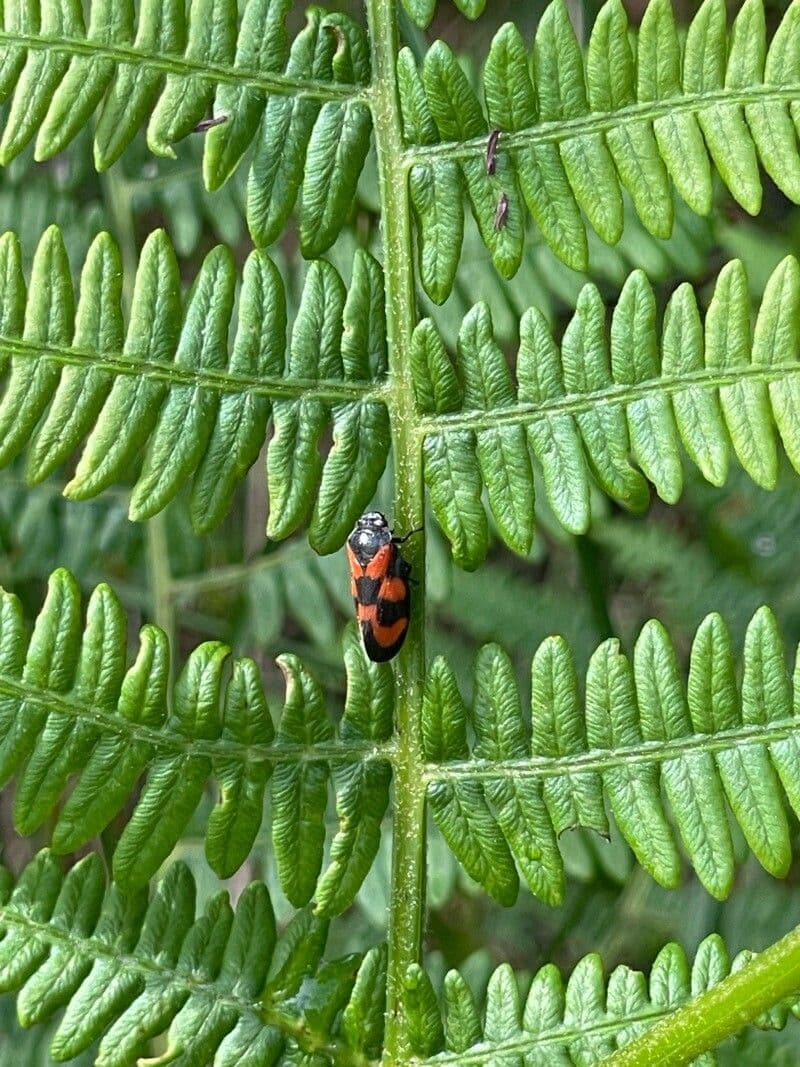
[[380, 585]]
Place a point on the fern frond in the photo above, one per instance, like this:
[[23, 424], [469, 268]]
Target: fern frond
[[221, 983], [562, 1024], [594, 407], [168, 382], [69, 707], [308, 146], [166, 69], [576, 130], [638, 730]]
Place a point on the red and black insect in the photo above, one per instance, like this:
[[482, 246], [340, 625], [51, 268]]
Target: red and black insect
[[380, 584]]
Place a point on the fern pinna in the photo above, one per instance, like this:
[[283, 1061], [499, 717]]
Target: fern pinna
[[163, 382]]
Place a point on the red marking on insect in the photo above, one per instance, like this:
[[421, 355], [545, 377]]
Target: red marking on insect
[[491, 151], [380, 585], [501, 214]]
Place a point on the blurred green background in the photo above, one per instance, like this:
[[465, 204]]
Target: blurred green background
[[726, 550]]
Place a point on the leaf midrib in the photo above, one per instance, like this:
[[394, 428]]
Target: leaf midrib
[[612, 396], [600, 122], [96, 949], [601, 760], [274, 387], [527, 1042], [281, 84], [122, 363], [529, 766], [214, 748]]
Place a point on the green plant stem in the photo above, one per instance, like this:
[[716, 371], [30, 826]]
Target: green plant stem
[[160, 579], [613, 395], [591, 565], [183, 589], [553, 132], [770, 977], [639, 756], [407, 909], [118, 200], [121, 363], [181, 66]]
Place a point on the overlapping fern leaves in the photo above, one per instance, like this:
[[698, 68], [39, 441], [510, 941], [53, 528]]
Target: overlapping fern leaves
[[637, 732], [641, 120], [69, 707], [588, 410], [559, 1024], [82, 731], [222, 983], [301, 106], [225, 987], [545, 282], [169, 383], [596, 407], [576, 131]]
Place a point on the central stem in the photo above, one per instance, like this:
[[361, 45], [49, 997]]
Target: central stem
[[408, 859], [118, 200]]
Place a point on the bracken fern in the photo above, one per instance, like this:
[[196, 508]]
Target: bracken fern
[[124, 382]]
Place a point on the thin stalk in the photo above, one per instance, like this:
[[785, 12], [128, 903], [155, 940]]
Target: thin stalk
[[601, 761], [554, 132], [117, 197], [183, 589], [614, 395], [120, 363], [160, 579], [118, 200], [212, 73], [591, 564], [162, 741], [407, 908], [708, 1019]]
